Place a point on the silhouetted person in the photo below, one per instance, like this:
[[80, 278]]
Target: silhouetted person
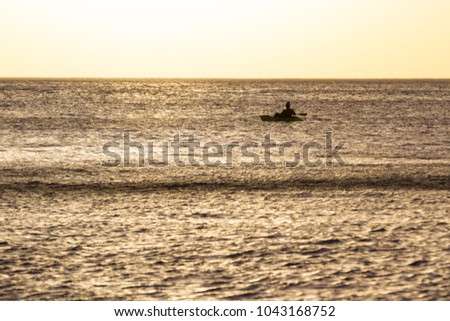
[[288, 112]]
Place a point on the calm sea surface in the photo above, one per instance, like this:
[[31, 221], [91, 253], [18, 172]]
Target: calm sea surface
[[377, 227]]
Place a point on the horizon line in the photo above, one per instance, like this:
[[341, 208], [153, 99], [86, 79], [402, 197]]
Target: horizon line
[[216, 78]]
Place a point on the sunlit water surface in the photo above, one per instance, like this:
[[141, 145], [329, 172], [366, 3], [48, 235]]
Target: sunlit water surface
[[375, 228]]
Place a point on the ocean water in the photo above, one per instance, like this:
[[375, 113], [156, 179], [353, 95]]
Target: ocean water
[[375, 227]]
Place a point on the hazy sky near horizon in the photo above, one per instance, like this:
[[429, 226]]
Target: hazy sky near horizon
[[232, 38]]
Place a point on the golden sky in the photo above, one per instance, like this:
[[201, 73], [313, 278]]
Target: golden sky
[[225, 38]]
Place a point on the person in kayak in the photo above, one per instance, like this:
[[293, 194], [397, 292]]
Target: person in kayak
[[288, 112]]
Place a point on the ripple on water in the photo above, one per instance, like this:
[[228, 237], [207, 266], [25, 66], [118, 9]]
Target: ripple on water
[[328, 242]]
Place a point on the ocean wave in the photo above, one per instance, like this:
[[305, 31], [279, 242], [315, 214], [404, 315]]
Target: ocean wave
[[431, 183]]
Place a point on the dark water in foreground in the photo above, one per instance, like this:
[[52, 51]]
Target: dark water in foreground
[[376, 228]]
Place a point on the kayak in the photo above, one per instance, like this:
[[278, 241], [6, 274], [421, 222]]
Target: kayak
[[285, 119]]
